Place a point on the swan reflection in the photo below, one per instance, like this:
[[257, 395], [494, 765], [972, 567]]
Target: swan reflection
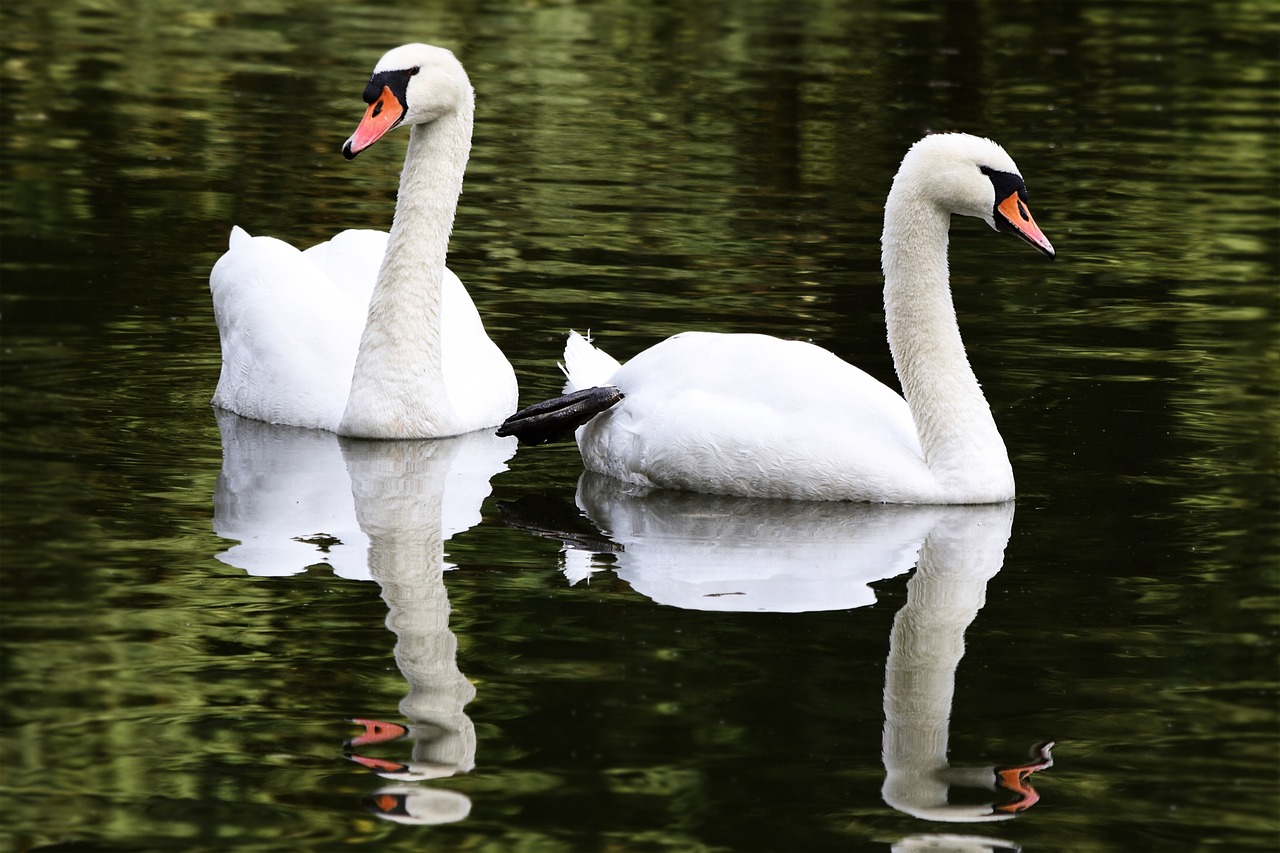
[[716, 552], [962, 552], [708, 552], [380, 511]]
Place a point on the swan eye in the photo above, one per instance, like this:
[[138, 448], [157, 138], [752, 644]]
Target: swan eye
[[414, 70]]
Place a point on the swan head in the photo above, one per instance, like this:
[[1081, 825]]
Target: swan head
[[411, 84], [971, 176]]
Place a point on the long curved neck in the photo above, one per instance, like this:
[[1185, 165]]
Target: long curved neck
[[398, 388], [958, 435]]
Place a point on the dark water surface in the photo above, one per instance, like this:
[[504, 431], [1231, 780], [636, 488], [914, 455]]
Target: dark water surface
[[194, 607]]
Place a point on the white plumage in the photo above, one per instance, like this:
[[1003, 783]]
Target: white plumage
[[733, 414]]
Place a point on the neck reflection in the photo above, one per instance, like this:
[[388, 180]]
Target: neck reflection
[[380, 511], [963, 551]]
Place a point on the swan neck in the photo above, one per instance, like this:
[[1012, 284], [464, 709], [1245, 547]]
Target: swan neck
[[398, 386], [958, 435], [426, 203]]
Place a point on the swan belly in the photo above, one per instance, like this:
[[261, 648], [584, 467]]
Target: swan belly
[[757, 416]]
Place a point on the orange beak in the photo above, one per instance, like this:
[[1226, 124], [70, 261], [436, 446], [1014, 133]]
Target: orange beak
[[387, 804], [376, 731], [1016, 780], [382, 115], [1018, 216], [379, 765]]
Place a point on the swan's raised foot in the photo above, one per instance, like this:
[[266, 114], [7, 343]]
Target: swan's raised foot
[[1015, 779], [557, 418]]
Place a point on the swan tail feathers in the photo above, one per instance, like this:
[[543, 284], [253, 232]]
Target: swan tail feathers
[[586, 366], [557, 418], [238, 236]]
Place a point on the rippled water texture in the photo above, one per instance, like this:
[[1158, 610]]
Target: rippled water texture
[[196, 608]]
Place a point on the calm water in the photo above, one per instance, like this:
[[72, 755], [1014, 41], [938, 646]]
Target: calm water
[[194, 607]]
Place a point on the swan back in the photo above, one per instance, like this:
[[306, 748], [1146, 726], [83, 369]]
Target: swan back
[[287, 332], [756, 416]]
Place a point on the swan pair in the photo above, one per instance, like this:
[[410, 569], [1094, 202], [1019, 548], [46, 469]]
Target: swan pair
[[735, 414]]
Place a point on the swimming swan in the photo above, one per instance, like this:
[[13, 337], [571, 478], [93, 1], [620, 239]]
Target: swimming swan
[[369, 334], [758, 416]]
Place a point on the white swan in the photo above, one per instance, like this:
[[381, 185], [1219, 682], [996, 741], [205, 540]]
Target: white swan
[[761, 417], [369, 334]]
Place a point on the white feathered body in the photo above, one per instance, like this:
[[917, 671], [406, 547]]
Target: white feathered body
[[369, 334], [750, 415], [290, 323]]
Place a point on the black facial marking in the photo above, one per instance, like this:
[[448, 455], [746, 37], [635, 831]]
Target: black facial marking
[[1006, 184], [397, 81]]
